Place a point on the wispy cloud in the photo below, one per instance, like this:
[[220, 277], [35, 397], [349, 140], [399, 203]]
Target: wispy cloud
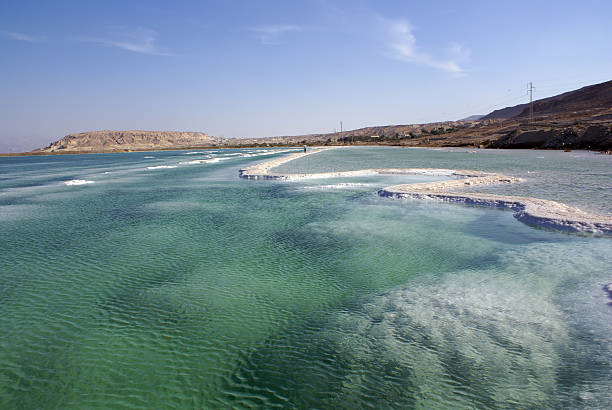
[[22, 37], [402, 45], [140, 40], [396, 36], [271, 34]]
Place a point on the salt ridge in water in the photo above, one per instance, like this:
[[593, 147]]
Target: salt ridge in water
[[205, 161], [78, 182], [530, 210], [343, 185], [162, 167]]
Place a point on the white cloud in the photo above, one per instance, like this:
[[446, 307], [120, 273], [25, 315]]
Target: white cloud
[[397, 36], [141, 41], [22, 37], [270, 34], [402, 44]]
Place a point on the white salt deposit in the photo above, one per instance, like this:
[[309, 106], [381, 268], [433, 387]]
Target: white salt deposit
[[162, 167], [345, 185], [533, 211], [78, 182], [195, 161], [205, 161]]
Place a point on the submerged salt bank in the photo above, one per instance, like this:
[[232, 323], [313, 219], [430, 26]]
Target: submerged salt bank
[[546, 213]]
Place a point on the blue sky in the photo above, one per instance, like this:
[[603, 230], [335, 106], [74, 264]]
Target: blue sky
[[264, 68]]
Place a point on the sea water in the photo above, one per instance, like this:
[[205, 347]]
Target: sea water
[[162, 280]]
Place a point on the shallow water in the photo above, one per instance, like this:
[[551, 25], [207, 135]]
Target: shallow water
[[579, 178], [188, 287]]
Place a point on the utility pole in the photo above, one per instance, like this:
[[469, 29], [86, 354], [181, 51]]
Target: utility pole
[[530, 89]]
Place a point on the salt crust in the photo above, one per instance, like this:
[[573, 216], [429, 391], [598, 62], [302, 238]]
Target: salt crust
[[533, 211]]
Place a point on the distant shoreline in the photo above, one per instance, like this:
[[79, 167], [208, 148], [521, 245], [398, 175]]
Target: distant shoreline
[[575, 120], [127, 151]]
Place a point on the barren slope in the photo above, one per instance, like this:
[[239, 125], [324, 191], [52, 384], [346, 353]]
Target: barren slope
[[99, 141]]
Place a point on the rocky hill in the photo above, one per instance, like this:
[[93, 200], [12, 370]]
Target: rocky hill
[[474, 117], [580, 119], [587, 98], [505, 113], [592, 97], [104, 141]]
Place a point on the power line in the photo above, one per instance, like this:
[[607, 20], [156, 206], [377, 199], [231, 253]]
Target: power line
[[551, 89], [530, 89]]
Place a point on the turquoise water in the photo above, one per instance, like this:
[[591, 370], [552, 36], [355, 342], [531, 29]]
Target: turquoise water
[[579, 178], [145, 286]]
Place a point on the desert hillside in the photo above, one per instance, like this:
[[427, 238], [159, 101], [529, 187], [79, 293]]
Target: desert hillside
[[579, 119], [591, 97], [101, 141]]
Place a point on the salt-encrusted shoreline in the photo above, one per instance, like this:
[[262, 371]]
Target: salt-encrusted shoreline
[[263, 169], [533, 211]]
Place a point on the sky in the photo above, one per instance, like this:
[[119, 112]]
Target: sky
[[267, 68]]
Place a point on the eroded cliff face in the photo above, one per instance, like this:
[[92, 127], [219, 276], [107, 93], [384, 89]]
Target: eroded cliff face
[[101, 141], [594, 137]]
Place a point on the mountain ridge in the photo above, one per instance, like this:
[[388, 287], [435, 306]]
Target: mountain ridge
[[575, 119], [584, 98]]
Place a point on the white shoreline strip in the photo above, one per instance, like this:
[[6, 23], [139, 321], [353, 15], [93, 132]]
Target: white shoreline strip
[[263, 169], [533, 211], [78, 182]]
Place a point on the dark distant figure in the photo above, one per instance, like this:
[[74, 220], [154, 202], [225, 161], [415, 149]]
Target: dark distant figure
[[304, 148]]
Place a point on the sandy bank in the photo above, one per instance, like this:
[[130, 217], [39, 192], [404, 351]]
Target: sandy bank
[[533, 211]]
